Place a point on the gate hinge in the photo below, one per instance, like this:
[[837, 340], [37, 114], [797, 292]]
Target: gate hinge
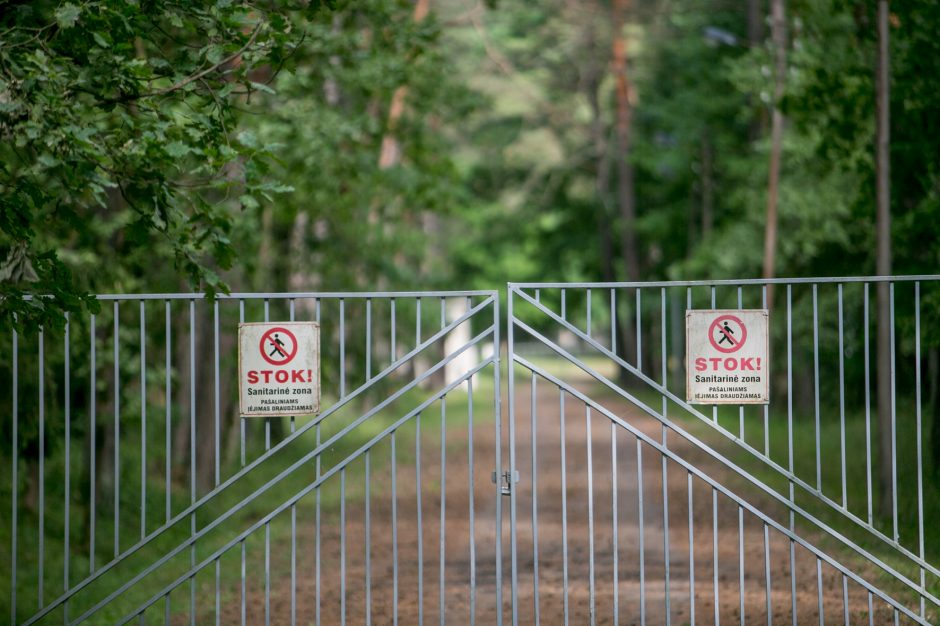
[[505, 484]]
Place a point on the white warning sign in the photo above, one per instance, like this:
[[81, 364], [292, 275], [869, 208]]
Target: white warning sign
[[727, 356], [279, 368]]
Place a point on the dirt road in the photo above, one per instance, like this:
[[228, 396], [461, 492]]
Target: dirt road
[[589, 504]]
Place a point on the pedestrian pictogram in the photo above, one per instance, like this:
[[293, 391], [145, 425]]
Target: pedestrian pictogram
[[278, 346], [727, 334]]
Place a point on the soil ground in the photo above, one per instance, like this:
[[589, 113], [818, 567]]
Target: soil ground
[[589, 505]]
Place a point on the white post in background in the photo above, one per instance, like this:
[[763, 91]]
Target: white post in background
[[457, 338]]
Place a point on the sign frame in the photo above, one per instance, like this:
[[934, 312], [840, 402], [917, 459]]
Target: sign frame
[[764, 352], [270, 365]]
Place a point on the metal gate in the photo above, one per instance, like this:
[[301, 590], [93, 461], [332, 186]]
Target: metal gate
[[138, 494], [637, 507]]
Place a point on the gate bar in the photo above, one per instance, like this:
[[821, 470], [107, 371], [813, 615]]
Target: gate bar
[[742, 504]]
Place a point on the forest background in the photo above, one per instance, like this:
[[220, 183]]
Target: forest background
[[388, 144]]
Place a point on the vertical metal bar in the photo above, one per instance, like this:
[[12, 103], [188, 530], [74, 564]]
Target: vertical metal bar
[[588, 304], [535, 522], [442, 610], [590, 494], [563, 304], [691, 555], [816, 384], [871, 617], [665, 435], [715, 407], [293, 565], [117, 433], [243, 588], [564, 499], [473, 548], [920, 459], [241, 419], [715, 591], [394, 531], [167, 406], [639, 501], [664, 354], [639, 328], [342, 348], [845, 598], [342, 541], [368, 339], [42, 469], [790, 387], [15, 485], [92, 425], [293, 420], [443, 312], [317, 521], [766, 406], [819, 591], [514, 584], [666, 558], [865, 323], [842, 399], [218, 433], [894, 429], [613, 321], [192, 453], [292, 417], [417, 321], [498, 434], [790, 446], [218, 592], [770, 615], [419, 526], [267, 420], [392, 332], [368, 529], [143, 421], [741, 408], [614, 522], [67, 402], [741, 560]]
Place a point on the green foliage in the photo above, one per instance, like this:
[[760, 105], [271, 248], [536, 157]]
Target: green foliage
[[119, 145]]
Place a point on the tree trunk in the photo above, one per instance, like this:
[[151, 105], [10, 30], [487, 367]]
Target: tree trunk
[[625, 187], [390, 153], [883, 261], [779, 36]]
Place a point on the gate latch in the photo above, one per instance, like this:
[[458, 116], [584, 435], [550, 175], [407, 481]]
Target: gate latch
[[505, 485]]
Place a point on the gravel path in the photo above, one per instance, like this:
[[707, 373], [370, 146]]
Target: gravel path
[[551, 581]]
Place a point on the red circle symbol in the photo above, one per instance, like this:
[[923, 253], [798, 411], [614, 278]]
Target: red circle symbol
[[723, 337], [277, 348]]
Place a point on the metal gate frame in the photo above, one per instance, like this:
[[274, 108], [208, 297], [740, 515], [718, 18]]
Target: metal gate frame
[[531, 298], [531, 314], [407, 364]]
